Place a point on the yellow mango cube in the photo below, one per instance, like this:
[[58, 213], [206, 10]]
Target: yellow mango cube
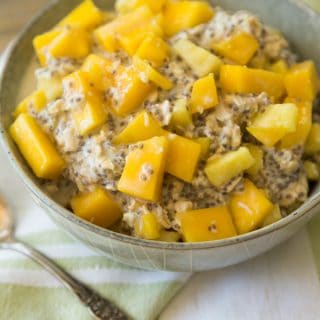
[[274, 123], [154, 50], [249, 207], [125, 6], [311, 169], [97, 206], [204, 94], [201, 61], [240, 48], [181, 115], [182, 15], [279, 66], [206, 224], [312, 145], [301, 81], [220, 169], [144, 169], [205, 146], [51, 85], [36, 101], [147, 226], [169, 236], [36, 147], [85, 16], [78, 82], [144, 126], [240, 79], [183, 157], [273, 216], [257, 154]]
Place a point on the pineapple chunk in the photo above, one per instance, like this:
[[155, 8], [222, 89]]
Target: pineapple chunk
[[154, 50], [183, 157], [181, 116], [279, 66], [206, 224], [182, 15], [220, 169], [240, 48], [272, 217], [311, 170], [144, 169], [142, 127], [274, 123], [125, 6], [97, 206], [85, 16], [301, 81], [201, 61], [257, 154], [249, 207], [169, 236], [205, 146], [36, 147], [147, 73], [204, 94], [312, 145], [304, 123], [259, 61], [36, 101], [147, 226], [240, 79], [50, 85]]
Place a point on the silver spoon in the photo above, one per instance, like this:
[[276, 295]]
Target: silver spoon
[[98, 306]]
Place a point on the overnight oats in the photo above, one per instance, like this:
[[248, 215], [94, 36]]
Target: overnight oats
[[171, 120]]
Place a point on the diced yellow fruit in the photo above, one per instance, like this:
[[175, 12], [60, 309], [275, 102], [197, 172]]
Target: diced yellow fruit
[[131, 91], [144, 169], [181, 116], [146, 72], [240, 79], [154, 50], [169, 236], [313, 142], [35, 101], [77, 81], [220, 169], [36, 147], [304, 123], [183, 157], [301, 81], [311, 170], [147, 226], [274, 123], [240, 48], [257, 154], [50, 85], [272, 217], [201, 61], [142, 127], [125, 6], [64, 45], [97, 206], [279, 66], [249, 207], [206, 224], [204, 94], [99, 71], [259, 61], [182, 15], [205, 146], [86, 16], [41, 44]]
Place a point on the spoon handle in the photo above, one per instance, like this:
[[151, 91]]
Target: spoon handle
[[99, 306]]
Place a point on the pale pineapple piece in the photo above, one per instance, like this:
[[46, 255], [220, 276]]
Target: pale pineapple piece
[[125, 6], [181, 115], [147, 226], [222, 168], [313, 142], [272, 217], [311, 170], [169, 236], [205, 146], [50, 85], [257, 154]]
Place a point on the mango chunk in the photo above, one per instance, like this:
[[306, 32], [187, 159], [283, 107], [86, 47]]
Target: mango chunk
[[240, 79], [279, 66], [36, 101], [86, 16], [240, 48], [301, 81], [125, 6], [274, 123], [97, 206], [146, 72], [304, 123], [181, 116], [182, 15], [312, 145], [204, 94], [257, 154], [206, 224], [183, 157], [144, 126], [249, 207], [272, 217], [154, 50], [51, 85], [144, 169], [147, 226], [311, 170], [205, 146], [169, 236], [201, 61], [220, 169], [36, 147]]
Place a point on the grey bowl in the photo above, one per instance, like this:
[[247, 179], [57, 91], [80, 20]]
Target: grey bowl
[[301, 26]]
